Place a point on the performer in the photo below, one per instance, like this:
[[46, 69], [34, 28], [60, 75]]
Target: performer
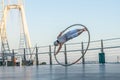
[[61, 39]]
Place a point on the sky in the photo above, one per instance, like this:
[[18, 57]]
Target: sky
[[46, 18]]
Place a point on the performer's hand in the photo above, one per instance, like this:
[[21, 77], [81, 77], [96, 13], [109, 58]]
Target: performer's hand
[[84, 29], [62, 32]]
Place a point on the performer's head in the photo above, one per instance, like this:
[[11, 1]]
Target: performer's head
[[56, 43]]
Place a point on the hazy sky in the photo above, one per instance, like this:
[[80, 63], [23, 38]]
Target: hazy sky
[[46, 18]]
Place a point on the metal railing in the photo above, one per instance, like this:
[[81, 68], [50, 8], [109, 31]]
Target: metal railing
[[45, 54]]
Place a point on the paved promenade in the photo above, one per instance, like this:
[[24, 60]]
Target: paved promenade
[[57, 72]]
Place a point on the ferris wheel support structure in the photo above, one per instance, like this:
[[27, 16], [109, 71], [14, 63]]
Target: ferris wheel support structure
[[3, 33]]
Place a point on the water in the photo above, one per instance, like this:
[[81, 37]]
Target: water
[[57, 72]]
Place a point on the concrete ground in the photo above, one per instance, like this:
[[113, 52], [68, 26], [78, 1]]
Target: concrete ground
[[57, 72]]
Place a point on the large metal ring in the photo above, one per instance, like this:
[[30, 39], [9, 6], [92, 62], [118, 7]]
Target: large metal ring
[[83, 51]]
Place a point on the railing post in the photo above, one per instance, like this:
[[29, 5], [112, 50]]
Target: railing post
[[102, 51], [65, 52], [24, 61], [50, 55], [3, 59], [37, 62], [13, 58], [102, 54], [117, 59], [82, 51]]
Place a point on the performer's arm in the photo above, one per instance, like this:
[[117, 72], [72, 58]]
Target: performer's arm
[[60, 46], [59, 34]]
